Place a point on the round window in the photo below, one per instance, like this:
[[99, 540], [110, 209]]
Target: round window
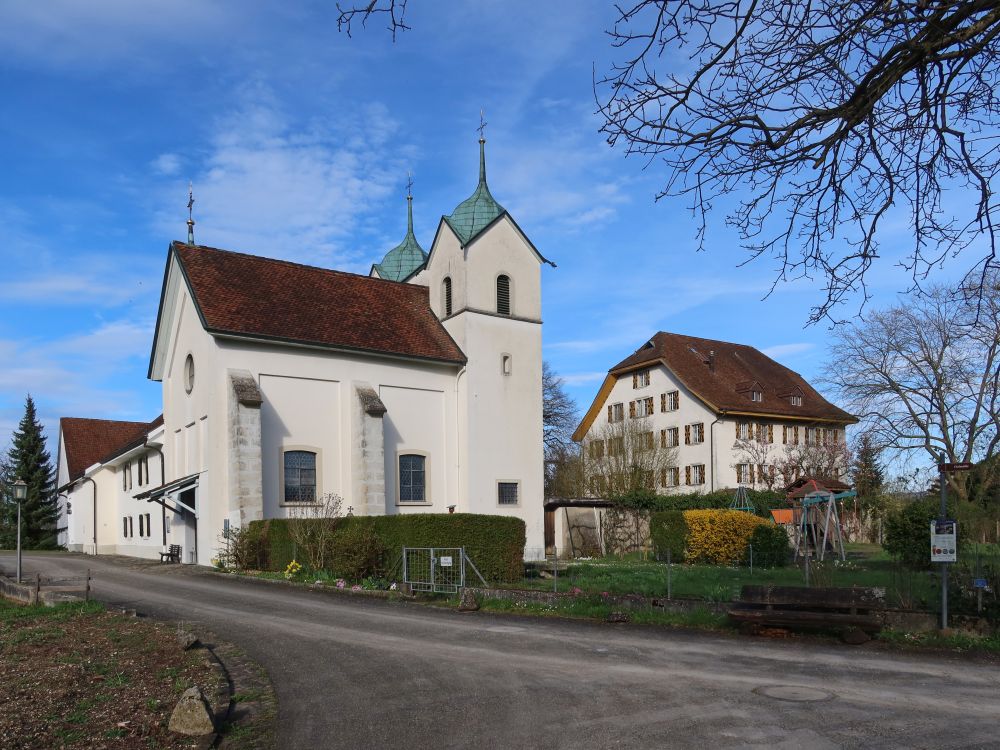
[[189, 374]]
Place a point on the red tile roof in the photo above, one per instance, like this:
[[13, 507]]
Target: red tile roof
[[247, 295], [91, 441], [724, 380], [723, 375]]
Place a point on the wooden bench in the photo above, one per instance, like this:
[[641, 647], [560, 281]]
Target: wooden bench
[[173, 554], [852, 611]]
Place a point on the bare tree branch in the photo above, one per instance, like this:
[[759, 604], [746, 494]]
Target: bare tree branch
[[394, 9]]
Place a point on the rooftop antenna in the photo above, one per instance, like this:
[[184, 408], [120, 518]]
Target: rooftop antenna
[[190, 221]]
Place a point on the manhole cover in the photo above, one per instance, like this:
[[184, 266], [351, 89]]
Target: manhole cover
[[505, 629], [795, 693]]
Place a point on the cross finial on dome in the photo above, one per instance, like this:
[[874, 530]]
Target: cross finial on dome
[[190, 221], [482, 126]]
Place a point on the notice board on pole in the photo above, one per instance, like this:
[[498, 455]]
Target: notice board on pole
[[944, 540]]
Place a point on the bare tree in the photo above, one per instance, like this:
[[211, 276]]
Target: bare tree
[[312, 528], [756, 451], [819, 456], [562, 455], [824, 117], [393, 10], [626, 456], [925, 376]]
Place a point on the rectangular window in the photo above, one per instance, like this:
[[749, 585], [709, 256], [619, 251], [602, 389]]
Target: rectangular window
[[648, 442], [412, 478], [743, 473], [641, 408], [670, 401], [300, 477], [697, 433], [670, 477], [131, 530], [795, 400], [756, 396], [125, 526], [596, 449], [149, 529], [640, 379], [616, 446], [698, 474], [672, 437], [616, 412], [742, 430], [507, 493], [142, 526]]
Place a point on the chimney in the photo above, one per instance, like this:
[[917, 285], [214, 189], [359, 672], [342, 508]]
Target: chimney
[[711, 360]]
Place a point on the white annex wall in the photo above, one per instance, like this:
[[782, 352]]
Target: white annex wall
[[300, 413], [414, 422]]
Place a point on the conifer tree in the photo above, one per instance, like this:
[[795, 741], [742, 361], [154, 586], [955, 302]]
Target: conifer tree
[[29, 460], [869, 475]]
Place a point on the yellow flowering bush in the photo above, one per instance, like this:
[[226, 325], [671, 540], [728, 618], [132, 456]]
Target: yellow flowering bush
[[292, 570], [719, 537]]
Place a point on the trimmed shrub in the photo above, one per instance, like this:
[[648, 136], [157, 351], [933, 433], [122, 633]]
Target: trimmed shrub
[[357, 553], [719, 537], [764, 501], [668, 530], [495, 544], [770, 546]]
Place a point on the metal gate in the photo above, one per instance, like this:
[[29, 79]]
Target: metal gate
[[437, 569]]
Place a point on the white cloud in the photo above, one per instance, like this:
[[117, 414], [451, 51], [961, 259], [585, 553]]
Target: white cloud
[[581, 378], [785, 350], [76, 375], [167, 164], [300, 191], [82, 287]]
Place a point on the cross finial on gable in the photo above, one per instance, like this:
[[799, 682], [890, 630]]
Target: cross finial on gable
[[190, 221]]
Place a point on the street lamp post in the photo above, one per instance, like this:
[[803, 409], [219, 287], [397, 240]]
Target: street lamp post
[[20, 493]]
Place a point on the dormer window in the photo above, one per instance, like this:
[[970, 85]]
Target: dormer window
[[756, 395], [503, 294], [795, 400]]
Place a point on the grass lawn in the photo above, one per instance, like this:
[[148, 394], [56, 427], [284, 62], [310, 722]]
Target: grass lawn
[[76, 676], [867, 565]]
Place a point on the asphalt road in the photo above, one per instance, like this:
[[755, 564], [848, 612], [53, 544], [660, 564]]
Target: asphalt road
[[358, 673]]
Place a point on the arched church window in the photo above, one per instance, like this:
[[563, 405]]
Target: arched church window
[[412, 478], [300, 477], [447, 296], [503, 294]]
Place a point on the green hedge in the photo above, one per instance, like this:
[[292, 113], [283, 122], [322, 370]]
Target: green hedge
[[495, 544], [668, 530], [764, 501], [770, 547]]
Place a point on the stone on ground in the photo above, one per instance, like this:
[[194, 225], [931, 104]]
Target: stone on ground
[[468, 603], [186, 639], [192, 715], [855, 636]]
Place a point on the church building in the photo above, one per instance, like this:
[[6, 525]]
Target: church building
[[414, 389]]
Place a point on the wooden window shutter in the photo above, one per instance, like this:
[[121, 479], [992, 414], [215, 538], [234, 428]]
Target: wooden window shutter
[[784, 434], [687, 434], [609, 412], [687, 475], [631, 409], [663, 438], [663, 477], [663, 402], [770, 433], [795, 435], [635, 380]]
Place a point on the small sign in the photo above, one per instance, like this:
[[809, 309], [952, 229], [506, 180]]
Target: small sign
[[979, 583], [964, 466], [445, 561], [944, 540]]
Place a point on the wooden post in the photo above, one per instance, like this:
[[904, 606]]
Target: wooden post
[[86, 596], [38, 586]]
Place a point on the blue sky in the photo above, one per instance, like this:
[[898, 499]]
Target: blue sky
[[298, 140]]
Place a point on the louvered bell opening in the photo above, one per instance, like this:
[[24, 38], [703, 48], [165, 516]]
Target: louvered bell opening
[[447, 296], [503, 295]]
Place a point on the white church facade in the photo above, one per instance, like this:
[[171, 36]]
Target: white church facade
[[415, 389]]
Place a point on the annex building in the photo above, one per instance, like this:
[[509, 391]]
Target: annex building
[[414, 389]]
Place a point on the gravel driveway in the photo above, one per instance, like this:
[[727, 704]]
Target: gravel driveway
[[366, 673]]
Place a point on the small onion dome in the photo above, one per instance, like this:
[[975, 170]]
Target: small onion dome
[[407, 257], [477, 211]]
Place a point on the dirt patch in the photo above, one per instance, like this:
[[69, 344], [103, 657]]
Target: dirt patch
[[76, 676]]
